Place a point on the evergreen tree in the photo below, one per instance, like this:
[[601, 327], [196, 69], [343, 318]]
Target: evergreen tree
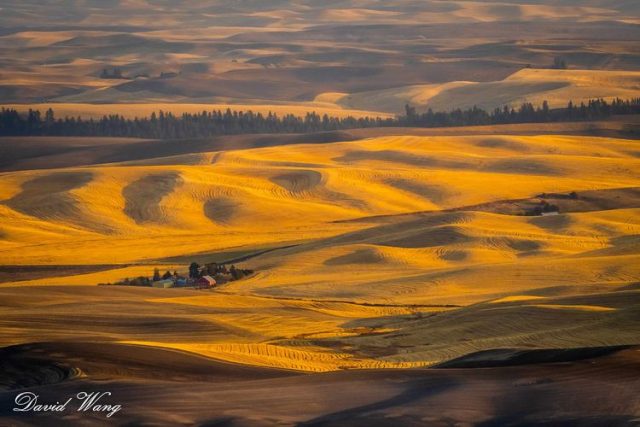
[[165, 125], [559, 63], [194, 270]]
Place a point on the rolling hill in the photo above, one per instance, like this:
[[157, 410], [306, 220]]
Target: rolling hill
[[556, 87], [163, 387], [392, 276], [368, 252], [278, 53]]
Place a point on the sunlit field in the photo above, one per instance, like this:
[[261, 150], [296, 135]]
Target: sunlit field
[[302, 213], [365, 240]]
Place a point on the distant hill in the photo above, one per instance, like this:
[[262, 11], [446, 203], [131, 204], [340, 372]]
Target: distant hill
[[527, 85], [261, 51]]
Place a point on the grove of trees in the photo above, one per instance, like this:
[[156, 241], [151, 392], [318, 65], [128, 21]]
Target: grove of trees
[[210, 123]]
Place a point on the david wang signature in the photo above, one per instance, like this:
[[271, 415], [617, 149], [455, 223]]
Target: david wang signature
[[86, 402]]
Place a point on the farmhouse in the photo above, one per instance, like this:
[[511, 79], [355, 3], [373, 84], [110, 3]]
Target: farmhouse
[[164, 284], [205, 282]]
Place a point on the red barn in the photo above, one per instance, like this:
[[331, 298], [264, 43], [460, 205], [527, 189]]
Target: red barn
[[205, 282]]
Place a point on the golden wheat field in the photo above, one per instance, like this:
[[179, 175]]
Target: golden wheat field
[[444, 242], [557, 87], [384, 252]]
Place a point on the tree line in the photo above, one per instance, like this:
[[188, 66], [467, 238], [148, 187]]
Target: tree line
[[595, 109], [166, 125]]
